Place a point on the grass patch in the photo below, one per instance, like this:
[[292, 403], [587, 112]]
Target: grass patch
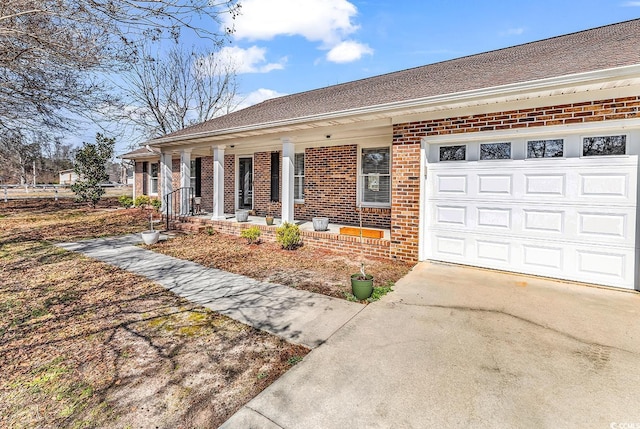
[[85, 344]]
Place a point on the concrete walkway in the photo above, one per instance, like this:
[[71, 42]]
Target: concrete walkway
[[298, 316]]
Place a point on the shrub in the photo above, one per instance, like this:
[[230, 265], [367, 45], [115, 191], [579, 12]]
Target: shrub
[[288, 235], [156, 203], [142, 201], [252, 234], [125, 201]]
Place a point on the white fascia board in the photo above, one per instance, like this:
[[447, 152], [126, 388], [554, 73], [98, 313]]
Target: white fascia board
[[458, 97]]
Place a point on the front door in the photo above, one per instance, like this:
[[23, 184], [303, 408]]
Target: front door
[[245, 185]]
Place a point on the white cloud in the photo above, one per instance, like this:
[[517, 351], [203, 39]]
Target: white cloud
[[631, 4], [255, 97], [348, 51], [326, 22], [250, 60]]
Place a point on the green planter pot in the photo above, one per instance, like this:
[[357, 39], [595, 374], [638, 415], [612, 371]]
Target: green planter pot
[[362, 289]]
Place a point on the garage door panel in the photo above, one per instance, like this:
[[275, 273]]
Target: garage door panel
[[493, 217], [598, 226], [603, 224], [493, 251], [543, 221], [546, 257], [545, 185], [454, 215], [448, 184], [492, 184], [576, 224], [613, 266], [610, 186]]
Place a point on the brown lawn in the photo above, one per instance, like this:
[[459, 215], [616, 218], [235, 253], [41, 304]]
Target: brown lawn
[[84, 344], [307, 268]]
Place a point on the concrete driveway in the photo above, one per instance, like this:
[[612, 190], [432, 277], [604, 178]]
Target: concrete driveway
[[464, 347]]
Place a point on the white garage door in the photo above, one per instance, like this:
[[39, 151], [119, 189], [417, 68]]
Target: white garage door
[[566, 218]]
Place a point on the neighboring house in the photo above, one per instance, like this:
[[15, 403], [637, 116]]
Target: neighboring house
[[67, 177], [523, 159]]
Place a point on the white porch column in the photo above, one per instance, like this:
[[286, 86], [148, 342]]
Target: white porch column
[[166, 177], [288, 159], [218, 182], [185, 180]]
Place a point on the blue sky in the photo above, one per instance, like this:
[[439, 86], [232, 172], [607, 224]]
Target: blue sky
[[300, 45], [287, 46]]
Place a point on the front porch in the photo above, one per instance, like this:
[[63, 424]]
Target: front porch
[[330, 239]]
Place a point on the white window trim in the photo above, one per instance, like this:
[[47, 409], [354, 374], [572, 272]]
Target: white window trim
[[605, 134], [526, 148], [466, 152], [359, 176], [297, 176], [151, 179]]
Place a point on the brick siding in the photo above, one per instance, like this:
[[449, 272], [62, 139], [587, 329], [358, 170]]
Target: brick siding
[[564, 114], [206, 183], [405, 197], [330, 187], [139, 177]]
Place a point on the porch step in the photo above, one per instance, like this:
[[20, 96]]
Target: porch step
[[187, 226]]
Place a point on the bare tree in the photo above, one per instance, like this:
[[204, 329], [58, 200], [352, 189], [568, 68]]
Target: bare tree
[[18, 155], [166, 93], [52, 51]]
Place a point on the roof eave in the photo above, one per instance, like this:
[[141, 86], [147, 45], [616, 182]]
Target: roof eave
[[425, 102]]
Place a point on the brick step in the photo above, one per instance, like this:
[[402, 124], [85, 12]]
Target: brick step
[[187, 227]]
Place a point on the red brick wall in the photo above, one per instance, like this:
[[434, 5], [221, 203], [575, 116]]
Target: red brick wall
[[229, 183], [405, 197], [330, 187], [588, 111], [343, 243], [138, 178], [206, 182], [262, 185]]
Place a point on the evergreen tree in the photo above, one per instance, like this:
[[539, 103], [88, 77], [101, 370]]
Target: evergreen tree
[[91, 168]]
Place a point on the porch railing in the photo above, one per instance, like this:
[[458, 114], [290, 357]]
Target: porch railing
[[178, 203]]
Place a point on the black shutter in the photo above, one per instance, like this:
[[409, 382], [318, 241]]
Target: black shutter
[[198, 177], [145, 178], [275, 176]]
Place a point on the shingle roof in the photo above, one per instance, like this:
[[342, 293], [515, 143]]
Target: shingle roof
[[600, 48], [143, 152]]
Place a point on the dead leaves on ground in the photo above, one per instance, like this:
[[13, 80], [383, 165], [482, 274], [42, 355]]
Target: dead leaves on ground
[[308, 268], [84, 344]]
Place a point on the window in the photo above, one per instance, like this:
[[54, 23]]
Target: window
[[375, 177], [495, 151], [196, 182], [453, 153], [606, 145], [298, 175], [545, 148], [275, 176], [153, 178]]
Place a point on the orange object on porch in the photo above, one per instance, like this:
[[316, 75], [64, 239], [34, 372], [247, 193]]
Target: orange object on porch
[[369, 233]]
